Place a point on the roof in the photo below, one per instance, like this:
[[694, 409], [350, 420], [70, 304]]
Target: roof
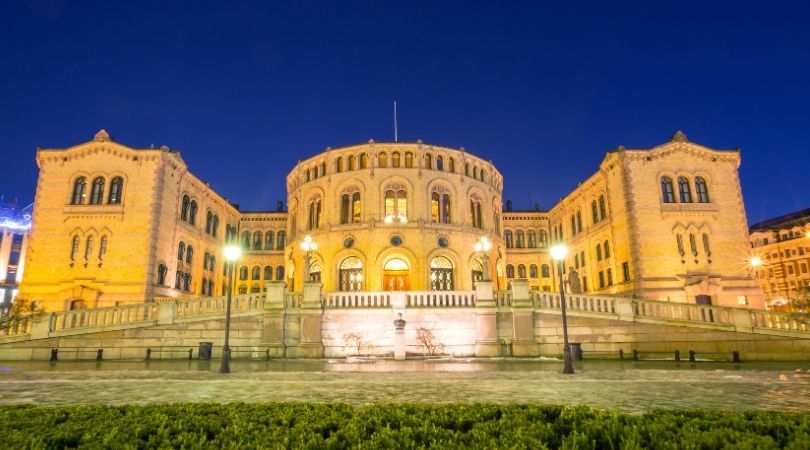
[[793, 219]]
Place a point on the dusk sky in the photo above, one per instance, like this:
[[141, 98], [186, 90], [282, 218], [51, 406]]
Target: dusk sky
[[244, 89]]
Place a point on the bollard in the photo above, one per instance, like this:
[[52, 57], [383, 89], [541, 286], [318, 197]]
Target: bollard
[[621, 354], [54, 354], [735, 356], [148, 354], [635, 355], [677, 355], [691, 356], [190, 352], [99, 352]]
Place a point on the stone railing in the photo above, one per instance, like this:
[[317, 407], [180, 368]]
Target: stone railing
[[683, 311], [575, 303], [293, 300], [17, 326], [780, 321], [217, 305], [502, 298], [101, 317], [336, 300], [440, 299]]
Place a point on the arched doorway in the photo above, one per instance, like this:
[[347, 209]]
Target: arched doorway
[[315, 271], [395, 275], [477, 271], [441, 274], [350, 274]]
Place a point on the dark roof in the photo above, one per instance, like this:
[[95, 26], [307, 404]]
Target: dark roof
[[793, 219]]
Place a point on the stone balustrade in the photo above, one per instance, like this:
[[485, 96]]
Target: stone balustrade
[[217, 305], [101, 317], [780, 321], [336, 300], [683, 311], [440, 299], [293, 300], [17, 326], [503, 298], [575, 303]]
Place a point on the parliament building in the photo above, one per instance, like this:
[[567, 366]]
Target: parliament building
[[115, 225]]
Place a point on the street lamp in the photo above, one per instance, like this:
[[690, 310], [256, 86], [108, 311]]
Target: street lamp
[[308, 245], [558, 254], [483, 246], [231, 253]]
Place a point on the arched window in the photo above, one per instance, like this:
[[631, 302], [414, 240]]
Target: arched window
[[97, 194], [281, 241], [440, 206], [351, 162], [439, 163], [280, 273], [268, 240], [382, 159], [242, 289], [607, 249], [212, 263], [532, 236], [545, 271], [702, 190], [477, 270], [192, 213], [706, 248], [510, 271], [582, 258], [428, 161], [533, 271], [475, 212], [246, 240], [255, 273], [594, 212], [483, 174], [602, 208], [79, 187], [309, 175], [521, 271], [441, 274], [189, 254], [181, 251], [102, 247], [315, 271], [467, 169], [363, 160], [598, 252], [88, 248], [579, 221], [339, 165], [257, 240], [395, 160], [451, 165], [350, 274], [396, 204], [268, 273], [322, 169], [667, 190], [209, 216], [162, 271], [507, 237], [214, 225], [543, 239], [116, 190], [314, 216], [679, 242], [409, 160], [693, 244], [243, 273], [519, 239], [684, 190], [475, 172], [350, 208]]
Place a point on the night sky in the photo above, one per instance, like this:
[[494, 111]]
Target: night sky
[[244, 89]]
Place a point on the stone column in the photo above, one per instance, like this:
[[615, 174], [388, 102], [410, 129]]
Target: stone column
[[311, 343], [486, 322], [273, 331], [523, 343]]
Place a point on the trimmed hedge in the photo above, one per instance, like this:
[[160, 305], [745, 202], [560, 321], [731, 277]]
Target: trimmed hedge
[[401, 426]]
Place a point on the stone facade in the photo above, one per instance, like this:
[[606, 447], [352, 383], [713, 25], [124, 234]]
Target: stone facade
[[385, 216]]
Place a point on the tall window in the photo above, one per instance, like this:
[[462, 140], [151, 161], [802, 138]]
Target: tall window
[[441, 274], [684, 190], [184, 208], [607, 249], [545, 271], [280, 273], [257, 240], [162, 271], [350, 274], [510, 271], [667, 190], [181, 251], [679, 241], [451, 165], [702, 190], [519, 240], [97, 194], [314, 216], [395, 160], [209, 217], [579, 221], [598, 252], [268, 273], [594, 212], [396, 203], [116, 189], [693, 244], [533, 271], [475, 212], [268, 240], [521, 271], [409, 160], [339, 165], [532, 239], [192, 213], [363, 160], [625, 271], [79, 187], [477, 270], [243, 273], [281, 241], [602, 208], [507, 237], [543, 239], [706, 248], [350, 160], [439, 163], [428, 161], [382, 159], [74, 248], [246, 240], [214, 225], [255, 272], [350, 208], [440, 205], [102, 248]]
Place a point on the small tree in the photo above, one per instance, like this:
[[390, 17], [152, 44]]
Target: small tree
[[430, 341], [19, 308], [354, 340]]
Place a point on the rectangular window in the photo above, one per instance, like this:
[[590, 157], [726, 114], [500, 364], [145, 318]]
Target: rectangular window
[[804, 267], [626, 271], [790, 269], [801, 251], [601, 279], [610, 277]]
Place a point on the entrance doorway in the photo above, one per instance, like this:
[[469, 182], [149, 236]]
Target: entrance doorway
[[396, 276], [706, 314]]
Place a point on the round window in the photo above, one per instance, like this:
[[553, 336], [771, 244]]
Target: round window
[[348, 243], [396, 241], [443, 242]]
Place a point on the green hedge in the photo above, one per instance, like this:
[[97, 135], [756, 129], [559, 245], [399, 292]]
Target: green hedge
[[334, 425]]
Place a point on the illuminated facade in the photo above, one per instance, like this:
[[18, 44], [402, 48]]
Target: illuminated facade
[[781, 254], [15, 225], [114, 224]]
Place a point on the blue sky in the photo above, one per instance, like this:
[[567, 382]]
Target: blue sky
[[244, 89]]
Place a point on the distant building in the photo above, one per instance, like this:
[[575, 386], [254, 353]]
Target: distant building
[[15, 226], [782, 246], [115, 224]]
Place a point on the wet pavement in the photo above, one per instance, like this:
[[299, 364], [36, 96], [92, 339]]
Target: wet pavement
[[631, 386]]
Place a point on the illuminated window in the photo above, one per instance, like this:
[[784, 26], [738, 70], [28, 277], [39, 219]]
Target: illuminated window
[[268, 240], [409, 160], [97, 194], [507, 237], [532, 239], [519, 240], [395, 160], [314, 215], [257, 240], [702, 190], [441, 274], [79, 187], [350, 274], [116, 189], [396, 204], [684, 190], [667, 190], [475, 212], [246, 240], [383, 160], [339, 165]]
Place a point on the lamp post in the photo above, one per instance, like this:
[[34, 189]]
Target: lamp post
[[308, 245], [558, 254], [483, 246], [231, 253]]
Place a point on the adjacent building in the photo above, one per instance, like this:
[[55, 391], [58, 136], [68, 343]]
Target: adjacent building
[[15, 226], [115, 224]]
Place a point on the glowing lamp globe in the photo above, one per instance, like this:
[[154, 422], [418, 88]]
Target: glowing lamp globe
[[756, 261], [232, 252], [559, 252]]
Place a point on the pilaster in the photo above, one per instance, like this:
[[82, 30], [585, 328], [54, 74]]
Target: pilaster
[[486, 323]]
